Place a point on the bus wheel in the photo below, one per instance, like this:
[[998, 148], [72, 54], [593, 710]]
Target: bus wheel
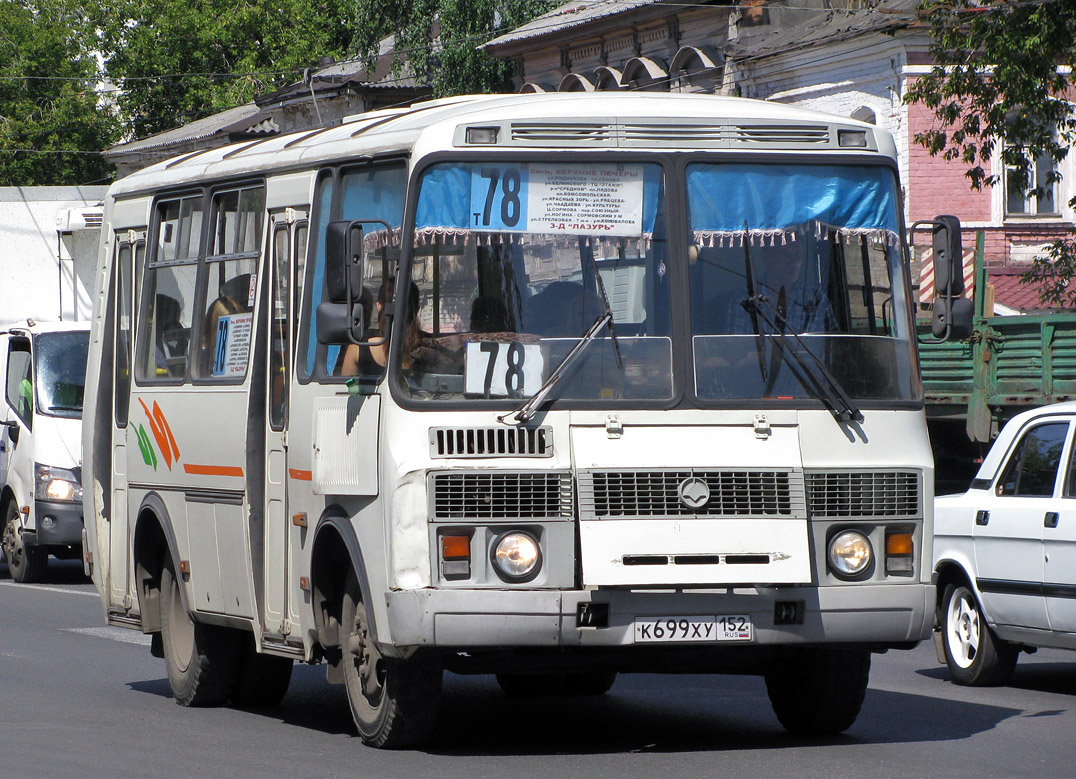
[[393, 702], [818, 691], [261, 680], [201, 659], [25, 563]]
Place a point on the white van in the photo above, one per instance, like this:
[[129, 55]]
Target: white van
[[41, 443]]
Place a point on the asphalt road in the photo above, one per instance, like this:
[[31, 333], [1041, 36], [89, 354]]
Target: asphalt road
[[79, 699]]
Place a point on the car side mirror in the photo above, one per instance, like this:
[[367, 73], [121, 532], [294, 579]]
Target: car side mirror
[[12, 430]]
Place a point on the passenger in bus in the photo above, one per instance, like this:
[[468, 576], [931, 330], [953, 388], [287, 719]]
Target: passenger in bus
[[212, 362], [171, 338], [371, 360]]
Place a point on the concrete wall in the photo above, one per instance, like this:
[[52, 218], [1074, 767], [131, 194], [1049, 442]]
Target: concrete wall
[[45, 274]]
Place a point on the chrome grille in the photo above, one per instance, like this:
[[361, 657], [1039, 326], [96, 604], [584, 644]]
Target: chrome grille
[[491, 441], [739, 493], [500, 495], [863, 494]]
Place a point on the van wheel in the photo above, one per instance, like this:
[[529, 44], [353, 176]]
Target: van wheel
[[201, 659], [818, 691], [261, 680], [974, 655], [393, 702], [26, 563]]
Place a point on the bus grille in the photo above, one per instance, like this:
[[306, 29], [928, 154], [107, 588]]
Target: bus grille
[[864, 494], [491, 441], [638, 494], [500, 495]]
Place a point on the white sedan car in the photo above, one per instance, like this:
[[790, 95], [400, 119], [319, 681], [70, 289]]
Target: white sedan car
[[1005, 551]]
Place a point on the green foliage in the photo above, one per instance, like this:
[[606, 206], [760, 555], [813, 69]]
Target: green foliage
[[178, 62], [1055, 272], [50, 113], [455, 65], [998, 81]]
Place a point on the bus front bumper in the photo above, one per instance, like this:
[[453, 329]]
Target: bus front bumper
[[876, 615]]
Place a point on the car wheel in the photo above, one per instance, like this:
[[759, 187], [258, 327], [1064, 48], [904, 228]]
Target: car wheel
[[818, 691], [201, 659], [25, 563], [975, 656], [261, 680], [393, 702]]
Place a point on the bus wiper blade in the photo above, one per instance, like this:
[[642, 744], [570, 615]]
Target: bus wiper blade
[[608, 311], [834, 396], [528, 409]]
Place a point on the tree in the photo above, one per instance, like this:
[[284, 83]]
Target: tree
[[1002, 77], [178, 62], [440, 39], [53, 121]]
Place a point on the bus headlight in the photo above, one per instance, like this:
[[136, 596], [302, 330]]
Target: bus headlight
[[517, 556], [57, 484], [850, 553]]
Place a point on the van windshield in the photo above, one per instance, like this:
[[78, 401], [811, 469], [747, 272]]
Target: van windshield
[[61, 372]]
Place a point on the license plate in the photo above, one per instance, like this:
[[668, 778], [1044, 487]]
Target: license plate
[[680, 629]]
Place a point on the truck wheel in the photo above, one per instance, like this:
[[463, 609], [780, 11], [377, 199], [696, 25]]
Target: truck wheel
[[260, 680], [201, 659], [975, 656], [25, 563], [818, 691], [393, 702]]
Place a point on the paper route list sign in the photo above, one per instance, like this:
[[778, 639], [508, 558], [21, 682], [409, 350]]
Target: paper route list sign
[[586, 199]]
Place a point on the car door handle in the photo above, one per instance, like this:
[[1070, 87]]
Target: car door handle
[[982, 517], [1050, 520]]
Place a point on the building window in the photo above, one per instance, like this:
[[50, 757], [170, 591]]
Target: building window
[[1039, 196]]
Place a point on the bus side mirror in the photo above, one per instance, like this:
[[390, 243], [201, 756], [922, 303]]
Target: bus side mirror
[[953, 318], [948, 256], [340, 323], [343, 261]]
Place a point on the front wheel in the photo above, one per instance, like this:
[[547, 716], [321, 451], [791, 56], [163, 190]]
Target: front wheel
[[819, 691], [975, 656], [25, 563], [393, 702], [201, 659]]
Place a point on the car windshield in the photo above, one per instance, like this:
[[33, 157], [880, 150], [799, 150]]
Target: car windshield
[[513, 262], [809, 250], [60, 360]]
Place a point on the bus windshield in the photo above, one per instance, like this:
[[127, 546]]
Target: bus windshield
[[61, 372], [513, 262], [796, 270]]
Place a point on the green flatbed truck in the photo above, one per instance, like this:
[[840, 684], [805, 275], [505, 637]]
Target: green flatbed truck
[[972, 387]]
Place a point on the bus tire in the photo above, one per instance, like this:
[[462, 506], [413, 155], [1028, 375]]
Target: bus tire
[[818, 691], [393, 702], [260, 680], [26, 564], [201, 659], [974, 655]]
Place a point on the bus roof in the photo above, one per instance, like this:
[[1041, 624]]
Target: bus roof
[[563, 120]]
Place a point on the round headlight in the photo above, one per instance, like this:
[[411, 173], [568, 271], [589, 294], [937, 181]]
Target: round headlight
[[517, 556], [850, 553]]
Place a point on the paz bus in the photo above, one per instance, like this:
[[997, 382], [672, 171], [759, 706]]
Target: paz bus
[[552, 387]]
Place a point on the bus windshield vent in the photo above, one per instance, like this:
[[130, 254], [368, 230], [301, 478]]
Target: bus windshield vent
[[491, 441], [688, 134], [863, 494], [783, 134], [563, 132]]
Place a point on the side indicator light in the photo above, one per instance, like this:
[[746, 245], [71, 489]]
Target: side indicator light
[[299, 520], [456, 547], [184, 566]]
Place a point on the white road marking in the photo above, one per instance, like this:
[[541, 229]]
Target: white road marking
[[114, 634], [91, 593]]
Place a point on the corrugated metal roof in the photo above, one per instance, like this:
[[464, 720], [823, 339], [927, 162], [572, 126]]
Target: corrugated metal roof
[[568, 15]]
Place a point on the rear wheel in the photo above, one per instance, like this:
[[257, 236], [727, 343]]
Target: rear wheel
[[25, 563], [975, 656], [201, 659], [819, 691], [260, 680], [393, 702]]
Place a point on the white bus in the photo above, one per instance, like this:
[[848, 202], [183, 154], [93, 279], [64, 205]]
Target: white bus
[[552, 387]]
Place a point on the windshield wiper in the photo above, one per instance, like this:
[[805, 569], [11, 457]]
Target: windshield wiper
[[752, 291], [832, 394], [528, 409]]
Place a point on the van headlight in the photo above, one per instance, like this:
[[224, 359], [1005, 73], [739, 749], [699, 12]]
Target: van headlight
[[517, 556], [850, 554], [56, 484]]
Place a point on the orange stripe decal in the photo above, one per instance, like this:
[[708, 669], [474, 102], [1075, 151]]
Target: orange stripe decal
[[213, 470], [298, 475]]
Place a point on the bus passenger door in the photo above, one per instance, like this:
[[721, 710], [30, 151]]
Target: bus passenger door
[[130, 253], [288, 251]]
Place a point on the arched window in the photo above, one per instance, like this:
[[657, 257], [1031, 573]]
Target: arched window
[[646, 74], [697, 69], [574, 82]]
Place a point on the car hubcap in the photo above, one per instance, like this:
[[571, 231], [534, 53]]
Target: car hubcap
[[963, 630]]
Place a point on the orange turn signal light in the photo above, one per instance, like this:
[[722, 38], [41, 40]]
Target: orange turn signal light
[[898, 544], [455, 547]]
